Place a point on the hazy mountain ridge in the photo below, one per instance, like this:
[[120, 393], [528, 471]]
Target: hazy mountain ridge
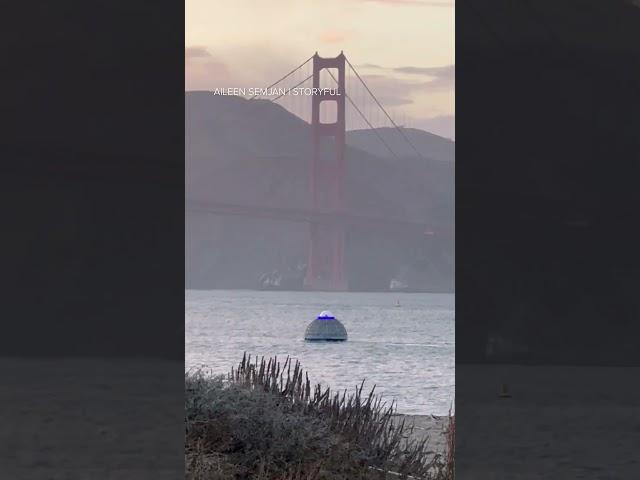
[[430, 146], [254, 152]]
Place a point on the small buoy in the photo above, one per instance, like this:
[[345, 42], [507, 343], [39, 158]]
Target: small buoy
[[326, 327], [397, 303]]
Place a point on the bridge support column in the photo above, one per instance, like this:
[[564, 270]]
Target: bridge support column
[[325, 266]]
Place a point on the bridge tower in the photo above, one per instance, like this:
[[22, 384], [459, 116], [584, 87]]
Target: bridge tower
[[325, 266]]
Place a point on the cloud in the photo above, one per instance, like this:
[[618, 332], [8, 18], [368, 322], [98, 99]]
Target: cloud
[[196, 52], [423, 97], [250, 65], [370, 66], [333, 36], [439, 78], [202, 71], [445, 71], [392, 91], [443, 78]]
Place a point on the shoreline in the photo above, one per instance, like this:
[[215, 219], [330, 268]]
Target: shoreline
[[431, 426]]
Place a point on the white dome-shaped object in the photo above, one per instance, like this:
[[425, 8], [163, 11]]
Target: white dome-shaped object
[[326, 328]]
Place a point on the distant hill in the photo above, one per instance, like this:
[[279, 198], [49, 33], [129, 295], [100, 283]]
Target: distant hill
[[254, 152], [427, 144]]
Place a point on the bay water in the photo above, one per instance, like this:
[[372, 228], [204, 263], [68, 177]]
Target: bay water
[[404, 343]]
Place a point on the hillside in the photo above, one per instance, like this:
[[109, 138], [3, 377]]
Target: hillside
[[430, 146], [254, 152]]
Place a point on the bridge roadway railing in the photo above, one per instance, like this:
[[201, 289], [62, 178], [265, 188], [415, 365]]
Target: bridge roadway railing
[[349, 219]]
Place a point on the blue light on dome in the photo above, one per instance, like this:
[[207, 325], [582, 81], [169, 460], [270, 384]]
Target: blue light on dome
[[326, 315]]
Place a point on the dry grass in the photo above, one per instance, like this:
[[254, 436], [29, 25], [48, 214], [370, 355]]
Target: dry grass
[[266, 421], [449, 457]]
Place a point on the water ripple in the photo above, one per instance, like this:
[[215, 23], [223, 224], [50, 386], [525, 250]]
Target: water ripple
[[407, 351]]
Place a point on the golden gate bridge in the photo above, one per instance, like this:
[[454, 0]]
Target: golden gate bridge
[[341, 97]]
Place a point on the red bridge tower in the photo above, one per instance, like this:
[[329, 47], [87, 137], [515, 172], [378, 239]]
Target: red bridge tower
[[325, 266]]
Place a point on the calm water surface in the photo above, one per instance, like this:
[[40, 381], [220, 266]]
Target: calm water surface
[[408, 351]]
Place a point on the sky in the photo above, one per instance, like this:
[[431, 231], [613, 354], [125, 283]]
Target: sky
[[404, 49]]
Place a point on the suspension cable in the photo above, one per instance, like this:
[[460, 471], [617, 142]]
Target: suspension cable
[[287, 75], [365, 119], [383, 109], [295, 86]]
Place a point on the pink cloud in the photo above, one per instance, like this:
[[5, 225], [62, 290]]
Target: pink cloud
[[332, 36], [202, 71]]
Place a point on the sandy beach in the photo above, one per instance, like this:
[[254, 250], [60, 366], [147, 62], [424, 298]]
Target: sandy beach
[[427, 426]]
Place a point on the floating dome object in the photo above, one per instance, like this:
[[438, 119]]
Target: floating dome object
[[326, 328]]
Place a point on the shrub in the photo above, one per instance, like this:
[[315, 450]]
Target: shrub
[[266, 421]]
